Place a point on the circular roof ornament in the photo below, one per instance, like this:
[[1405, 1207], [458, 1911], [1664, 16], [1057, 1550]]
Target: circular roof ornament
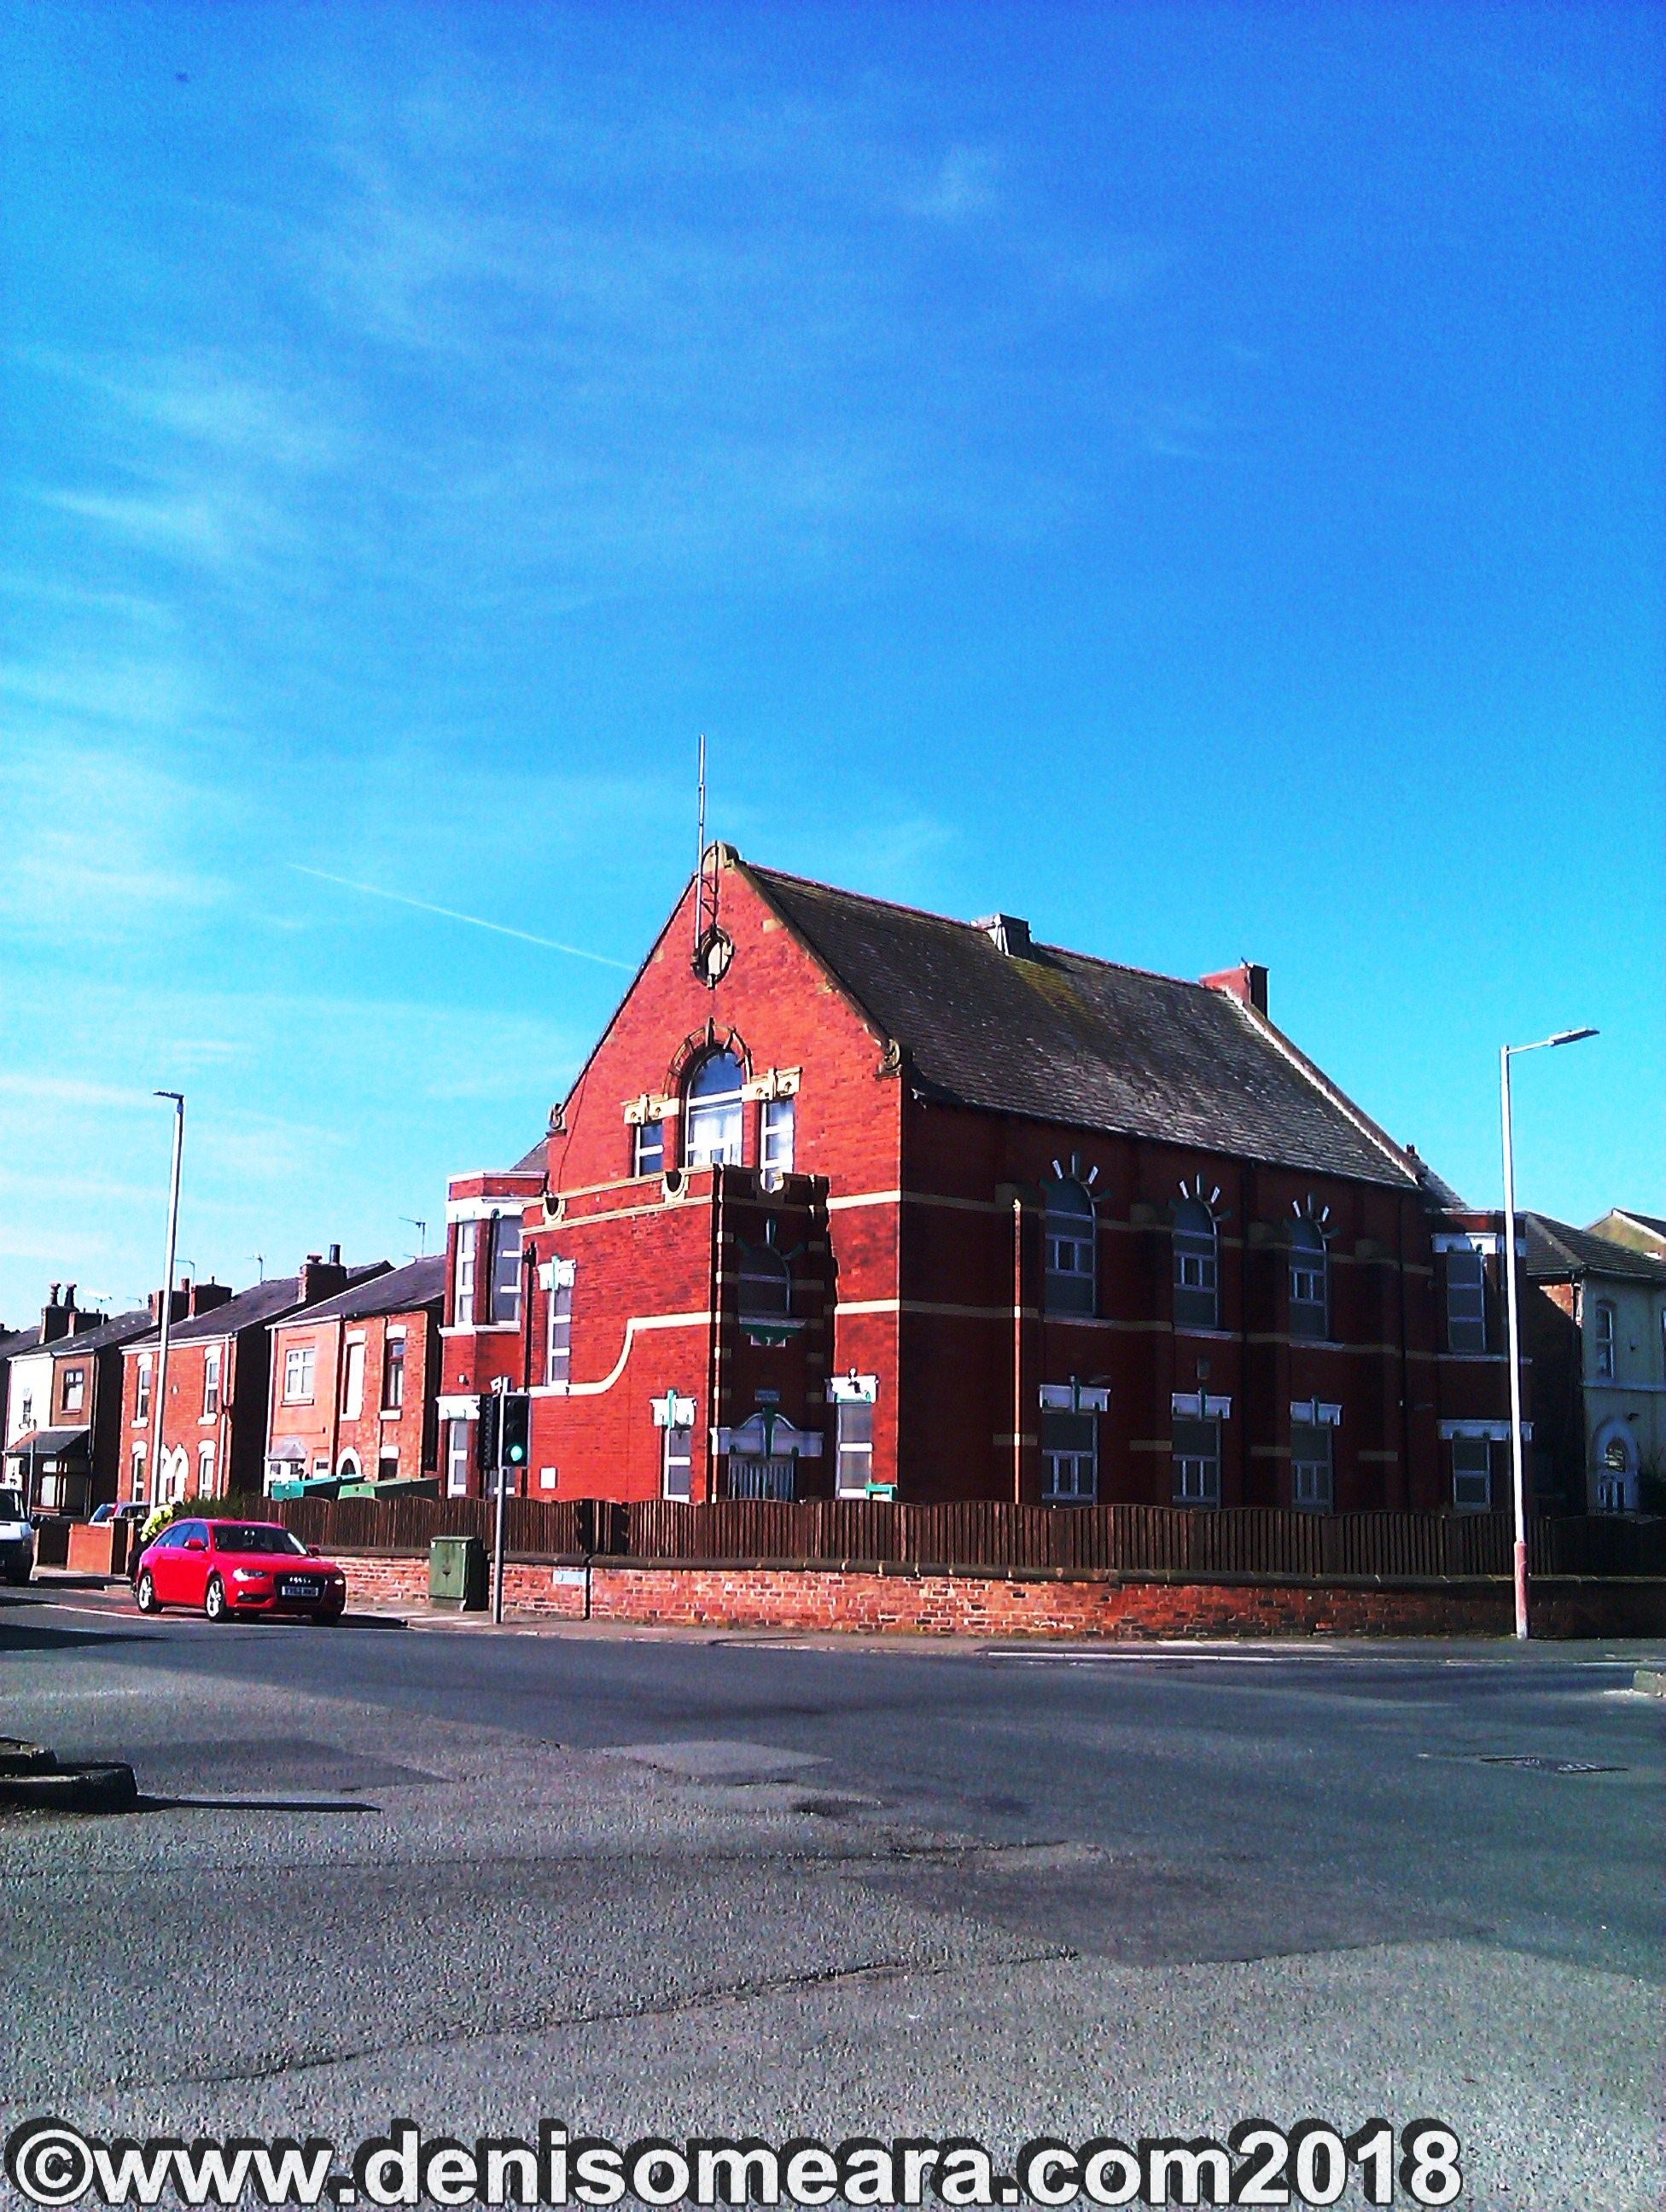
[[712, 956]]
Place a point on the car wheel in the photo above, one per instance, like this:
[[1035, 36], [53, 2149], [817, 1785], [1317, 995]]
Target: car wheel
[[144, 1593], [216, 1604]]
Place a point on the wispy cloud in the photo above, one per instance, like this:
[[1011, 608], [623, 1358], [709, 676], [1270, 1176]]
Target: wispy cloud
[[450, 914]]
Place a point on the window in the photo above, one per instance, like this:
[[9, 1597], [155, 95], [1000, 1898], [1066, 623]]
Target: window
[[348, 1467], [74, 1388], [458, 1456], [714, 1112], [1068, 1228], [1472, 1474], [26, 1404], [142, 1403], [1310, 1281], [1466, 1301], [647, 1148], [136, 1477], [676, 1464], [506, 1269], [387, 1467], [1196, 1276], [559, 1362], [1197, 1462], [766, 1284], [468, 1238], [854, 1421], [1070, 1458], [1601, 1341], [211, 1381], [205, 1470], [1311, 1483], [352, 1383], [776, 1135], [394, 1375], [298, 1365]]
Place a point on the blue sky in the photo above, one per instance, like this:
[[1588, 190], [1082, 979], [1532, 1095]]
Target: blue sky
[[1192, 477]]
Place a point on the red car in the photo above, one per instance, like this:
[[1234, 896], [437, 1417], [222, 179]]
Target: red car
[[238, 1570]]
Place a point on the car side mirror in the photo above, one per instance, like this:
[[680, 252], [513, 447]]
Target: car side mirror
[[312, 1550], [195, 1543]]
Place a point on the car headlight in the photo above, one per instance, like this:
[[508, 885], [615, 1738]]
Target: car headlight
[[250, 1575]]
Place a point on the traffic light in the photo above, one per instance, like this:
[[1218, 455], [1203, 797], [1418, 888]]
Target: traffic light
[[487, 1430], [517, 1430]]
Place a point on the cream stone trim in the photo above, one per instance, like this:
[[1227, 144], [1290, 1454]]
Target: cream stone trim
[[637, 1324]]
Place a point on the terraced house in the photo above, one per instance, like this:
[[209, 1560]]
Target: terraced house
[[854, 1199]]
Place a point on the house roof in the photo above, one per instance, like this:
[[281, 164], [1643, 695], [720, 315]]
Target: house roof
[[1556, 1251], [399, 1290], [39, 1442], [120, 1329], [247, 1310], [536, 1161], [1063, 1037], [1643, 1220], [20, 1340]]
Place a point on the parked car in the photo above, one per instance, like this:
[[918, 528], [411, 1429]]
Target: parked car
[[16, 1538], [238, 1570]]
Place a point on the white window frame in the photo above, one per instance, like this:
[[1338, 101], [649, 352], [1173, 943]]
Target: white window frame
[[464, 1274], [777, 1124], [300, 1374], [1070, 1258], [647, 1147], [1604, 1333], [210, 1382], [1461, 1288], [77, 1377], [503, 1290], [677, 1462], [1312, 1466], [1310, 1286], [714, 1125], [352, 1380], [393, 1374], [1197, 1271], [205, 1470], [140, 1395], [459, 1457], [1472, 1486], [1070, 1473], [1197, 1474], [558, 1326], [852, 1447]]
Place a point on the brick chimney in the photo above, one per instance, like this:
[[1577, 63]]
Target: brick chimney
[[178, 1306], [321, 1277], [1008, 932], [204, 1296], [57, 1315], [1247, 981]]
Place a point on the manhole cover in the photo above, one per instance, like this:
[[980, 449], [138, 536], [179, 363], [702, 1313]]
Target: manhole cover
[[1538, 1766]]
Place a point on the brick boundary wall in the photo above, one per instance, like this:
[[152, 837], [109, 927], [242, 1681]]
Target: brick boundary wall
[[865, 1601]]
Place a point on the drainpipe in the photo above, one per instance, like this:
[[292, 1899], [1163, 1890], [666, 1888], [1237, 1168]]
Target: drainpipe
[[1018, 1348], [1405, 1366]]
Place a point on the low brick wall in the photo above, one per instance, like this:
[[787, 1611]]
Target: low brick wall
[[869, 1600]]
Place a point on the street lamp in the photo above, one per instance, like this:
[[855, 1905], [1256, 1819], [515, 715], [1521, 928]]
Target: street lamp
[[1518, 1466], [160, 1416]]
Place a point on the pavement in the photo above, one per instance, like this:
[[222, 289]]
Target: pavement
[[691, 1881]]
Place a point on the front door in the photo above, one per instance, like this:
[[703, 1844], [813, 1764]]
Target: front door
[[750, 1477]]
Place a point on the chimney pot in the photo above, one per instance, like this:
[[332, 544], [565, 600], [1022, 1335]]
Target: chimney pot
[[335, 1255], [1008, 932], [69, 1294]]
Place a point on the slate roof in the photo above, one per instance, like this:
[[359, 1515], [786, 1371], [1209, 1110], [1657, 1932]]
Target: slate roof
[[1646, 1220], [1064, 1037], [247, 1310], [1556, 1250], [535, 1161], [20, 1340], [47, 1441], [120, 1329], [399, 1291]]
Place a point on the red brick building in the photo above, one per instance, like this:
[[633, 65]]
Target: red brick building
[[851, 1197], [354, 1379]]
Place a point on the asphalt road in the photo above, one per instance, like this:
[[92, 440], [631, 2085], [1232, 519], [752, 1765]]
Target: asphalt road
[[690, 1883]]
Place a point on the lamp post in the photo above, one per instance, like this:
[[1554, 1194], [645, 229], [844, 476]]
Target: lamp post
[[1518, 1462], [159, 1417]]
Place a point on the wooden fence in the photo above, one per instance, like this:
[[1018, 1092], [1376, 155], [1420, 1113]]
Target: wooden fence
[[1139, 1539]]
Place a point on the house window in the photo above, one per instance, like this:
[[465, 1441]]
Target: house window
[[394, 1375], [1601, 1341], [1310, 1281], [136, 1475], [211, 1381], [205, 1470], [142, 1406], [1466, 1301], [468, 1241], [854, 1421], [766, 1284], [776, 1135], [352, 1383], [387, 1467], [1068, 1228], [1197, 1462], [1196, 1274], [298, 1365], [647, 1148], [1472, 1474], [25, 1407], [74, 1388], [676, 1464], [458, 1456], [1070, 1458], [713, 1113], [558, 1361], [1311, 1483], [506, 1269]]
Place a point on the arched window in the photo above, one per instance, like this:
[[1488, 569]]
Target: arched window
[[1068, 1229], [1603, 1340], [766, 1284], [1196, 1274], [1310, 1281], [712, 1132]]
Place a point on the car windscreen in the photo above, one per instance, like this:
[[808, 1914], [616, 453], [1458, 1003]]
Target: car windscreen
[[11, 1505], [256, 1536]]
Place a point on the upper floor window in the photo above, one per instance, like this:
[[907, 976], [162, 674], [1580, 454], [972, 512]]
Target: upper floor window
[[352, 1383], [1068, 1230], [647, 1148], [463, 1279], [394, 1375], [299, 1362], [1196, 1270], [558, 1344], [142, 1406], [1310, 1281], [712, 1112], [74, 1388], [1466, 1301], [766, 1282], [1603, 1340], [506, 1269], [776, 1135], [211, 1381]]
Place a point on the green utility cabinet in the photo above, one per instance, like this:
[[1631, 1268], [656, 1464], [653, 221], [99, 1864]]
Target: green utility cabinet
[[457, 1573]]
